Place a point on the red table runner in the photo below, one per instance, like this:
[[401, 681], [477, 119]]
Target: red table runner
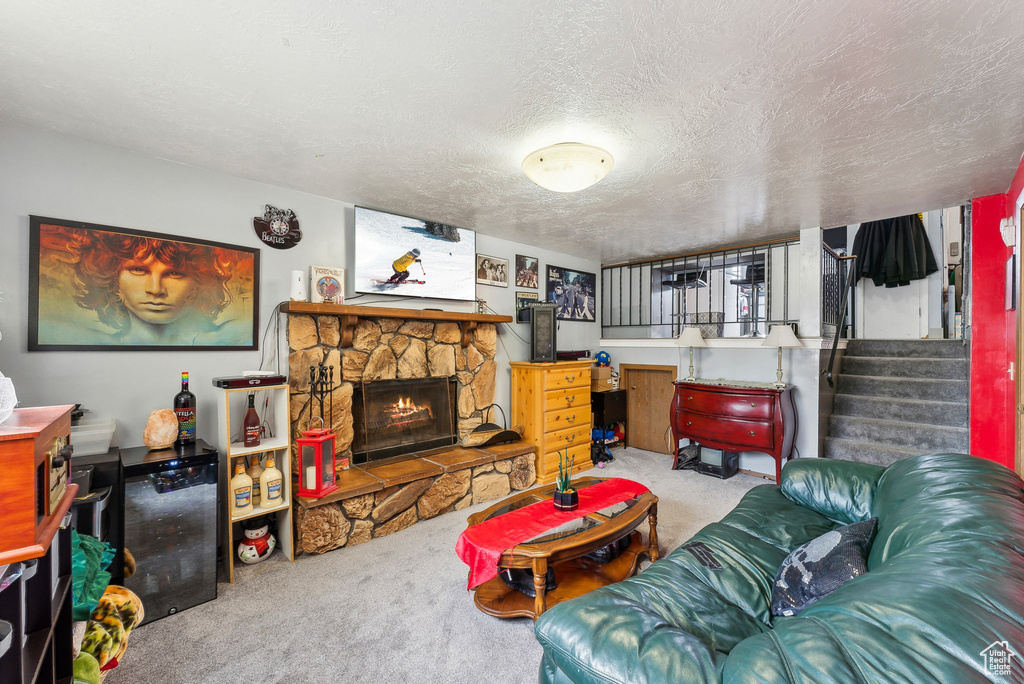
[[480, 546]]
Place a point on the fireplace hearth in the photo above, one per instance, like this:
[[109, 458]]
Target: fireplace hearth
[[393, 419]]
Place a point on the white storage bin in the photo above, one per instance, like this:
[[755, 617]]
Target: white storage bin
[[92, 437]]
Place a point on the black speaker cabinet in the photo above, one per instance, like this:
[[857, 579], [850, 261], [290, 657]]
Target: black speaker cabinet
[[543, 332]]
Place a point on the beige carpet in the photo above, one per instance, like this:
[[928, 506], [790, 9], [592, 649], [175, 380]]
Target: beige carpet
[[395, 609]]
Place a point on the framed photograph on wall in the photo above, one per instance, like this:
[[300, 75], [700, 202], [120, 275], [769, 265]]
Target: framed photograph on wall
[[527, 271], [99, 288], [574, 293], [491, 271], [523, 302]]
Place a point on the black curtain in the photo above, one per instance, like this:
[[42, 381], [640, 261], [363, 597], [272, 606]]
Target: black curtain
[[894, 251]]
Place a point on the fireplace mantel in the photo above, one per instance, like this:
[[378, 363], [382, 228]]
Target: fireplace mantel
[[350, 316]]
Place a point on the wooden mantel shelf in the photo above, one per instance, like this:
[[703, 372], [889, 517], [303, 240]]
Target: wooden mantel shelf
[[350, 316]]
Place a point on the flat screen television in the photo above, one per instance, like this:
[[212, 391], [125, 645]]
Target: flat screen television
[[401, 255]]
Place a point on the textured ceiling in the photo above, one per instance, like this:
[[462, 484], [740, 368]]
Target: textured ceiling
[[729, 120]]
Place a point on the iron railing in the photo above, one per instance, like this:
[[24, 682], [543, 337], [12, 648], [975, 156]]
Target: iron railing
[[732, 292], [842, 314], [833, 283]]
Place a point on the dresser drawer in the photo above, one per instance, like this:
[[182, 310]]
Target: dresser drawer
[[559, 378], [740, 432], [726, 404], [566, 418], [547, 467], [555, 441], [567, 398]]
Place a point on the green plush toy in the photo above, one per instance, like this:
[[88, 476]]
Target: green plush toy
[[87, 669]]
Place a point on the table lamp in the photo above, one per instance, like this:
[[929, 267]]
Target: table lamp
[[781, 336], [690, 337]]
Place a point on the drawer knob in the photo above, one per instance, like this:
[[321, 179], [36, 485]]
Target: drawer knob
[[751, 433], [753, 404], [689, 398], [570, 419], [570, 378], [689, 422], [570, 438], [571, 399]]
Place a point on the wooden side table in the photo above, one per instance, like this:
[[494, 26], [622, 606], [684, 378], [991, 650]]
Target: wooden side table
[[735, 417]]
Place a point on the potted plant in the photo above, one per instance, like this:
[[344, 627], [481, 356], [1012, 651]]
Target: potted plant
[[566, 498]]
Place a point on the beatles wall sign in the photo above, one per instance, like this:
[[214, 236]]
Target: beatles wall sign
[[277, 228]]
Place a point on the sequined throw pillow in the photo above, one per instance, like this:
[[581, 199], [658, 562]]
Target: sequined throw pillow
[[822, 565]]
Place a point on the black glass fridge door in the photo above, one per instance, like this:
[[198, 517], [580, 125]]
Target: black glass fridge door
[[171, 530]]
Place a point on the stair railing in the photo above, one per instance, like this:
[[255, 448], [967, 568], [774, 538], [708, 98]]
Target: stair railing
[[846, 285]]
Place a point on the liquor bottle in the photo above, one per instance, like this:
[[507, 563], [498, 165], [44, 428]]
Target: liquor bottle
[[255, 470], [270, 483], [241, 490], [251, 429], [185, 410]]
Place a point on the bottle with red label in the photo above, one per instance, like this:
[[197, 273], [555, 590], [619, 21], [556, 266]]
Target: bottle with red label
[[185, 410], [252, 431]]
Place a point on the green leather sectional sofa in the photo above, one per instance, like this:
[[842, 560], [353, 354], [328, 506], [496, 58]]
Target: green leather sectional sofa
[[945, 580]]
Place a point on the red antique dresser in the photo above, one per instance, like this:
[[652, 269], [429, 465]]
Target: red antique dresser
[[733, 417]]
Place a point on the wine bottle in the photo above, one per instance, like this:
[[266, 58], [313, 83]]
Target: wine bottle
[[185, 410], [251, 429]]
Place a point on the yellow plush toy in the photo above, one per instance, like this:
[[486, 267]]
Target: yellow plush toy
[[106, 636]]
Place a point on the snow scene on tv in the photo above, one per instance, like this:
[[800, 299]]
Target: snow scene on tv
[[405, 256]]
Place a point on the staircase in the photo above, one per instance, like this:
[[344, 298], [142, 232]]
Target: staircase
[[899, 398]]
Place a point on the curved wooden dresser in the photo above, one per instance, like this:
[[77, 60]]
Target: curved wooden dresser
[[741, 417]]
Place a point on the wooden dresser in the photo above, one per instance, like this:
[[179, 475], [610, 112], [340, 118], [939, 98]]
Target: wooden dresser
[[552, 403], [735, 417]]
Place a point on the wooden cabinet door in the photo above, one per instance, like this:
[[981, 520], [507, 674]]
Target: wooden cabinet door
[[649, 401]]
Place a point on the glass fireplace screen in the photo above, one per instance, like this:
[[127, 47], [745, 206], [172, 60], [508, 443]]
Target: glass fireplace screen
[[392, 418]]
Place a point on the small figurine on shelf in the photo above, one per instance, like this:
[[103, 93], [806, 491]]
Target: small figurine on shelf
[[259, 543], [566, 498]]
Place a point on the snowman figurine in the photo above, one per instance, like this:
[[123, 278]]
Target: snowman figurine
[[258, 543]]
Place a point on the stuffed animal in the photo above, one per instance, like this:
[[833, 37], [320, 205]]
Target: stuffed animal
[[118, 612]]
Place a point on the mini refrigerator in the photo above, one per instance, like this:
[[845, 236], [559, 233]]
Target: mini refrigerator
[[170, 526]]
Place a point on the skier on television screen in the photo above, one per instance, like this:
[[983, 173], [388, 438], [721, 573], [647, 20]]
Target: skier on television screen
[[402, 264]]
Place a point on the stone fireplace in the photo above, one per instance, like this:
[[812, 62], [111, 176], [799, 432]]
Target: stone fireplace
[[390, 364]]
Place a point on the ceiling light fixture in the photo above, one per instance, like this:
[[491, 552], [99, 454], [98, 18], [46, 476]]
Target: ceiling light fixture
[[567, 167]]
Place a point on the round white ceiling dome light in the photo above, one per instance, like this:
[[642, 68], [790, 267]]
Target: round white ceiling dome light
[[567, 167]]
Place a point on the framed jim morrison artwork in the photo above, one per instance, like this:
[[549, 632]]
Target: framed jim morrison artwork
[[94, 287], [574, 293]]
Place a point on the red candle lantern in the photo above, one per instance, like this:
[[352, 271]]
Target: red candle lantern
[[316, 463]]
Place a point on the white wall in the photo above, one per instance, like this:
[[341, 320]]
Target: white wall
[[909, 312], [756, 364], [51, 175]]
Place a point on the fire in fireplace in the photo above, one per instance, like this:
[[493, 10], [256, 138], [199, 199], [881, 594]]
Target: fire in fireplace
[[395, 418]]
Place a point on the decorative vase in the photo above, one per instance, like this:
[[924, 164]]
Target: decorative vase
[[567, 501]]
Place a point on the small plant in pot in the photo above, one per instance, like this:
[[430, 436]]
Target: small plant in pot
[[566, 498]]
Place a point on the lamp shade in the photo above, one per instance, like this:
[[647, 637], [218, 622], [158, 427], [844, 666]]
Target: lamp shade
[[691, 337], [781, 336], [567, 167]]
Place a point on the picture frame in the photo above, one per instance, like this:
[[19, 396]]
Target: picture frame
[[565, 284], [491, 271], [527, 271], [326, 285], [95, 287], [523, 302]]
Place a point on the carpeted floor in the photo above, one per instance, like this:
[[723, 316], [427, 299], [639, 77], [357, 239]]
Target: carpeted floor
[[394, 609]]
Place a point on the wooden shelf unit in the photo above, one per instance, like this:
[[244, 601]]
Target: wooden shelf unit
[[231, 406], [350, 316], [43, 618]]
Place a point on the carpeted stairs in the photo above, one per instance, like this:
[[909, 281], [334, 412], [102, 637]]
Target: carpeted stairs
[[899, 398]]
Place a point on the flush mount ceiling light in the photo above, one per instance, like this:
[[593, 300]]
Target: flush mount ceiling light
[[567, 167]]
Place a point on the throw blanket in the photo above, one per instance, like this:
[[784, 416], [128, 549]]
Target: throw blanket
[[481, 545]]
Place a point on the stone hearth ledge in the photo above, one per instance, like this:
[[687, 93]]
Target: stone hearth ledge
[[376, 501]]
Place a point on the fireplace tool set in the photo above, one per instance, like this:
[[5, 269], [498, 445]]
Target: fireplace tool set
[[321, 390]]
